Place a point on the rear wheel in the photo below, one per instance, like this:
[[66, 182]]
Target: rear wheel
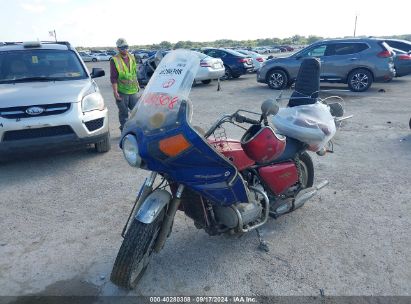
[[306, 173], [135, 253], [277, 79], [94, 59], [206, 81], [359, 80], [228, 73], [306, 170]]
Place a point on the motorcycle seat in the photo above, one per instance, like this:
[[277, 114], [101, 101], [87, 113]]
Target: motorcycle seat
[[292, 147]]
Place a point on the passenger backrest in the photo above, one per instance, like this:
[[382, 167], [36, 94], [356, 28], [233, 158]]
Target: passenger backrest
[[307, 84]]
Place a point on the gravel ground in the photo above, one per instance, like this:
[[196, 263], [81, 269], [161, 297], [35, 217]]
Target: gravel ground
[[61, 213]]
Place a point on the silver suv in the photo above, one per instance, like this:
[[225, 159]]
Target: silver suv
[[49, 99], [357, 62]]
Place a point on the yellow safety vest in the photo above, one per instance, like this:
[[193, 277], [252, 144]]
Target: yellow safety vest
[[127, 78]]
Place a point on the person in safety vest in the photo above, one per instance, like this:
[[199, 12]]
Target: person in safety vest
[[123, 77]]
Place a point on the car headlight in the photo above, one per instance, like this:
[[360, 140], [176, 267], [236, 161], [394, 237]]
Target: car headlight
[[91, 102], [130, 150]]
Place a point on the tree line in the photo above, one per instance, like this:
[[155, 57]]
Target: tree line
[[294, 40]]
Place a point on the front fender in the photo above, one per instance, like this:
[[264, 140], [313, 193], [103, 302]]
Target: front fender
[[152, 206]]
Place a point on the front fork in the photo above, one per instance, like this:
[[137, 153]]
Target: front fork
[[145, 190], [168, 219], [167, 223]]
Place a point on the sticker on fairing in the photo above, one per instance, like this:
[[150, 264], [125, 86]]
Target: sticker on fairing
[[34, 59]]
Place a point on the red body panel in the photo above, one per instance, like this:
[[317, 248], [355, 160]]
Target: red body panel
[[233, 151], [262, 144], [279, 177]]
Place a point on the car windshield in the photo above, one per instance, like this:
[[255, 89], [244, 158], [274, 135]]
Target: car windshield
[[40, 65]]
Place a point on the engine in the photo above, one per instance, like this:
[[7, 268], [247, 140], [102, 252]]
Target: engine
[[247, 213]]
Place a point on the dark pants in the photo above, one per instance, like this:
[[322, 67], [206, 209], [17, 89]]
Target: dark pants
[[126, 104]]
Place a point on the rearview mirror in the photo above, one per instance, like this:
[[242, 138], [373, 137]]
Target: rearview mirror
[[97, 72], [269, 107]]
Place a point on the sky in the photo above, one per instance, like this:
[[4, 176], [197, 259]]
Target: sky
[[95, 23]]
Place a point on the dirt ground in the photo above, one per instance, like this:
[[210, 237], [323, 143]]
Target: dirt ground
[[62, 212]]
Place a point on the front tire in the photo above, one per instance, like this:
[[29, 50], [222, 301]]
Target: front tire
[[135, 253], [359, 80], [104, 145], [277, 79], [94, 60]]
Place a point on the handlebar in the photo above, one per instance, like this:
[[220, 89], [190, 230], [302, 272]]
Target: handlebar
[[229, 118], [240, 119]]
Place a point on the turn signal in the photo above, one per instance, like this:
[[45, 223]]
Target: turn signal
[[174, 145]]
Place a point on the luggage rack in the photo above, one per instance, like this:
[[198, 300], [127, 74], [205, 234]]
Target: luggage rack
[[5, 43]]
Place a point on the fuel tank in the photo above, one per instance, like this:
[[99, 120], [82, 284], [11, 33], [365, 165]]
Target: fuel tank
[[279, 177], [234, 152]]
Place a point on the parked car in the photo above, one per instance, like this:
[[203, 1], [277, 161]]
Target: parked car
[[88, 57], [398, 44], [261, 50], [287, 48], [210, 68], [356, 61], [103, 57], [257, 58], [49, 99], [111, 52], [235, 63], [402, 63]]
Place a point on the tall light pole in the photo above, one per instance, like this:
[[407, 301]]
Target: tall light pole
[[355, 25]]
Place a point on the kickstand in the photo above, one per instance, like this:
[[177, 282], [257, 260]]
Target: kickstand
[[263, 244]]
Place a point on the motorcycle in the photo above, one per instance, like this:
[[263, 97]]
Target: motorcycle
[[223, 185]]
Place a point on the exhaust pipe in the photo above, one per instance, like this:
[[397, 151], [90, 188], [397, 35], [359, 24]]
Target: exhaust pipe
[[306, 194]]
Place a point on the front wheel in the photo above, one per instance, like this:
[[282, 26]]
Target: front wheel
[[277, 79], [359, 80], [135, 253], [104, 145]]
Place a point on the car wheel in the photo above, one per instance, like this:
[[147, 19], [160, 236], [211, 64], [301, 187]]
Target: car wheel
[[206, 81], [277, 79], [94, 59], [228, 73], [359, 80], [104, 145]]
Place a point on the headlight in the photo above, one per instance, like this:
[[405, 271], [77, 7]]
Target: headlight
[[130, 150], [93, 101]]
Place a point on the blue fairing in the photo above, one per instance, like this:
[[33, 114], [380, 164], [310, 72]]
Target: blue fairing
[[200, 167]]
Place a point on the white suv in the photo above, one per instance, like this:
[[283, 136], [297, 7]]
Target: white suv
[[49, 99]]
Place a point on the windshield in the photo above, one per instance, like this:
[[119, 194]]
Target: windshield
[[38, 65], [170, 84]]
